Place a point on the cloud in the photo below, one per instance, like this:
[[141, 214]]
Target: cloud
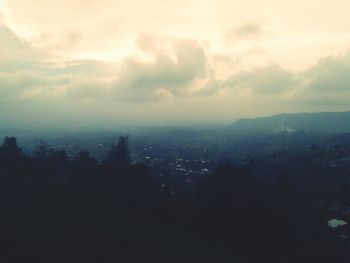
[[70, 28], [165, 74], [331, 74], [14, 48], [269, 80], [27, 72], [169, 70], [327, 84], [210, 88], [167, 67], [324, 86], [16, 85], [245, 31]]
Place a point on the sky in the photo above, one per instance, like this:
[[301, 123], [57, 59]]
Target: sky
[[104, 63]]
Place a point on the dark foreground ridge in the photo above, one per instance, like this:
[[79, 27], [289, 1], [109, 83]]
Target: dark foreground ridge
[[56, 209]]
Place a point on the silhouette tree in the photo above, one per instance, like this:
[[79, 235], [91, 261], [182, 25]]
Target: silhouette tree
[[141, 178], [121, 151], [42, 151], [15, 168], [51, 164], [226, 206], [82, 169], [229, 183], [118, 160], [10, 148], [12, 159]]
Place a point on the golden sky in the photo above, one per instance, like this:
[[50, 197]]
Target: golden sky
[[171, 62]]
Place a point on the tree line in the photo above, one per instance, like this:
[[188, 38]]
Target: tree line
[[57, 209]]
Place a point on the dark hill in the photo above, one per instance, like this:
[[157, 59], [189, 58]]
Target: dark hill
[[325, 122]]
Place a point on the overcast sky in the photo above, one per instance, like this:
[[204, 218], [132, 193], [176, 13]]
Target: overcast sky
[[104, 63]]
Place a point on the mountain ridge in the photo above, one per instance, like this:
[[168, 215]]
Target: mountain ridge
[[333, 122]]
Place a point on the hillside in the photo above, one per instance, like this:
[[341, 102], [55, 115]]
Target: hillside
[[325, 122]]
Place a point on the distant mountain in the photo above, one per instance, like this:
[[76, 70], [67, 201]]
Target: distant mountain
[[325, 122]]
